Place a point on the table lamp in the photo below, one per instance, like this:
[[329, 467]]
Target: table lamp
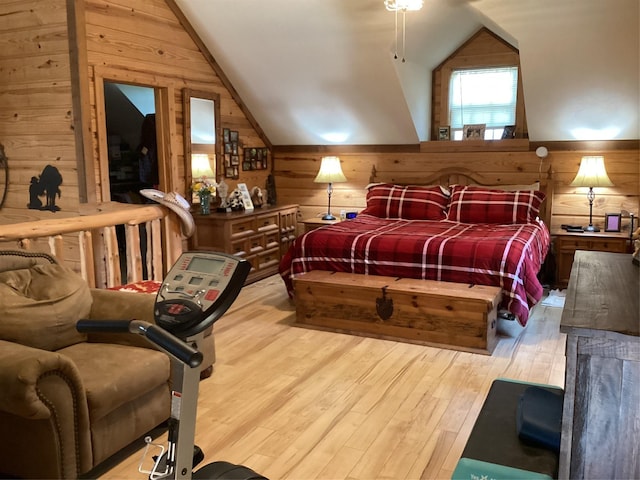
[[591, 174], [201, 167], [330, 172]]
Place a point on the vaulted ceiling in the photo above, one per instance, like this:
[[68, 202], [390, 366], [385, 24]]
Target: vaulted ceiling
[[321, 72]]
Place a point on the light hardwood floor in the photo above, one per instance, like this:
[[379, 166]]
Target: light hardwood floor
[[295, 403]]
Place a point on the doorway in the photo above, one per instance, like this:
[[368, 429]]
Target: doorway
[[131, 140]]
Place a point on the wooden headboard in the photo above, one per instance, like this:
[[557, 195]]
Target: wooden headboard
[[464, 176]]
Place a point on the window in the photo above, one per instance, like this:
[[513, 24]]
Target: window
[[486, 96]]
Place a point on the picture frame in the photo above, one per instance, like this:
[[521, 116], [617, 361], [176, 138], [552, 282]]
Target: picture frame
[[612, 222], [509, 132], [255, 158], [444, 132], [473, 131]]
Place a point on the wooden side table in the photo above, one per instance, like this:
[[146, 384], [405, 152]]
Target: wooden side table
[[313, 223], [566, 244]]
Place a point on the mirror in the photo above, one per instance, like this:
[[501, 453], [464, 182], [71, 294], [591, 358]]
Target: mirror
[[201, 125]]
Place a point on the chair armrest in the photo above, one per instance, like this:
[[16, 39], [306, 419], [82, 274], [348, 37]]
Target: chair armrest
[[115, 305], [23, 379]]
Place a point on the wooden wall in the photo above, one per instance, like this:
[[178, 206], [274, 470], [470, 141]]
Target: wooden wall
[[296, 167], [143, 42], [36, 123], [484, 49], [54, 58]]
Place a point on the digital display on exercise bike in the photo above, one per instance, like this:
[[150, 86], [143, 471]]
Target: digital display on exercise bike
[[198, 290], [205, 265]]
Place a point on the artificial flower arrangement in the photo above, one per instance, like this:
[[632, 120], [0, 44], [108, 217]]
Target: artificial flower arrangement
[[204, 189]]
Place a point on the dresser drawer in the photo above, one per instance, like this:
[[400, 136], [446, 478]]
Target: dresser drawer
[[615, 246], [242, 228], [271, 240], [239, 247], [576, 244], [256, 243], [267, 222], [268, 259]]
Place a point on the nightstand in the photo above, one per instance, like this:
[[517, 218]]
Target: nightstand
[[566, 244], [313, 223]]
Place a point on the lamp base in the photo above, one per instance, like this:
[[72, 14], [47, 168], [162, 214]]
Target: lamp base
[[591, 228], [328, 216]]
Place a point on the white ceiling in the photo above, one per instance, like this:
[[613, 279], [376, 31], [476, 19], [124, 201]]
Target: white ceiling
[[309, 68]]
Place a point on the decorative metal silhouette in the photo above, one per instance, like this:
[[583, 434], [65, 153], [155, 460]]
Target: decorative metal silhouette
[[4, 175], [46, 185]]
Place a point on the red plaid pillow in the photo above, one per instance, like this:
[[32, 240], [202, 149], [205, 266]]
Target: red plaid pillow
[[481, 205], [408, 202]]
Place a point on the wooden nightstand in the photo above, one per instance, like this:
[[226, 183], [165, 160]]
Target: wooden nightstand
[[313, 223], [566, 244]]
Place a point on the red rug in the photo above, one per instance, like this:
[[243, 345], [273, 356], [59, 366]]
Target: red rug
[[146, 286]]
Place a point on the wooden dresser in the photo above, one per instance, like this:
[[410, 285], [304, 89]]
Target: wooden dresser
[[261, 236], [566, 244], [601, 412]]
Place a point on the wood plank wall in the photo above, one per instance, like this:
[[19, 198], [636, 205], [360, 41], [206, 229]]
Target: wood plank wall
[[36, 124], [36, 120], [484, 49], [127, 41], [296, 167], [119, 40]]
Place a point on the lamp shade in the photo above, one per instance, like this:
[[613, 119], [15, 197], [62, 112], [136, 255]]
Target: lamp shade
[[330, 171], [200, 166], [592, 173]]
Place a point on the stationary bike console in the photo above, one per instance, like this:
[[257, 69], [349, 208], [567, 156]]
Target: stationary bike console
[[198, 289]]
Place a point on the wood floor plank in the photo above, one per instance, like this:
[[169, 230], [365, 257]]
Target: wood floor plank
[[297, 403]]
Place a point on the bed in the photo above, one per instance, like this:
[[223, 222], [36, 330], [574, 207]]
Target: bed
[[463, 234]]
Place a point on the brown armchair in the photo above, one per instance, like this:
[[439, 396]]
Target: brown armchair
[[71, 400]]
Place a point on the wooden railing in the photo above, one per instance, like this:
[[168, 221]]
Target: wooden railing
[[148, 236]]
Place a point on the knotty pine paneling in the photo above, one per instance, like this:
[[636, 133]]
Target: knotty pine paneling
[[126, 42], [295, 170], [484, 49], [36, 120]]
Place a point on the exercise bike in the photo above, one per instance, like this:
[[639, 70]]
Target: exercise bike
[[196, 292]]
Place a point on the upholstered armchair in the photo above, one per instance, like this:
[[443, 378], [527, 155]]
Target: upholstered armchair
[[69, 400]]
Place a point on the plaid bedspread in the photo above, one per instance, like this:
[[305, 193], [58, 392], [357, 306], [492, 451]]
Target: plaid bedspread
[[507, 256]]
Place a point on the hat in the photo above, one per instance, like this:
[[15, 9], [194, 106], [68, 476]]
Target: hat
[[176, 203]]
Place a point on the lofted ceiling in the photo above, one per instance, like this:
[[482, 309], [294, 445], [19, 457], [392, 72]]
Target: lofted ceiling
[[322, 72]]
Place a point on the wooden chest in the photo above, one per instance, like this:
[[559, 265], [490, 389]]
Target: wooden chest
[[442, 314]]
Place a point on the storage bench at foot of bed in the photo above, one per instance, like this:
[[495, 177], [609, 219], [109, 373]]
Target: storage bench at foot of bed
[[442, 314]]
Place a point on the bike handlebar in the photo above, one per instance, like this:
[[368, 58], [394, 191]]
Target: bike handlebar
[[155, 334]]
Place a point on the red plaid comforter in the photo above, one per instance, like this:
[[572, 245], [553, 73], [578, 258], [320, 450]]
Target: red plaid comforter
[[507, 256]]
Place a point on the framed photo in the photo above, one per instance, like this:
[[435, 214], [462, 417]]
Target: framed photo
[[444, 133], [225, 135], [233, 136], [509, 132], [612, 222], [474, 131]]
